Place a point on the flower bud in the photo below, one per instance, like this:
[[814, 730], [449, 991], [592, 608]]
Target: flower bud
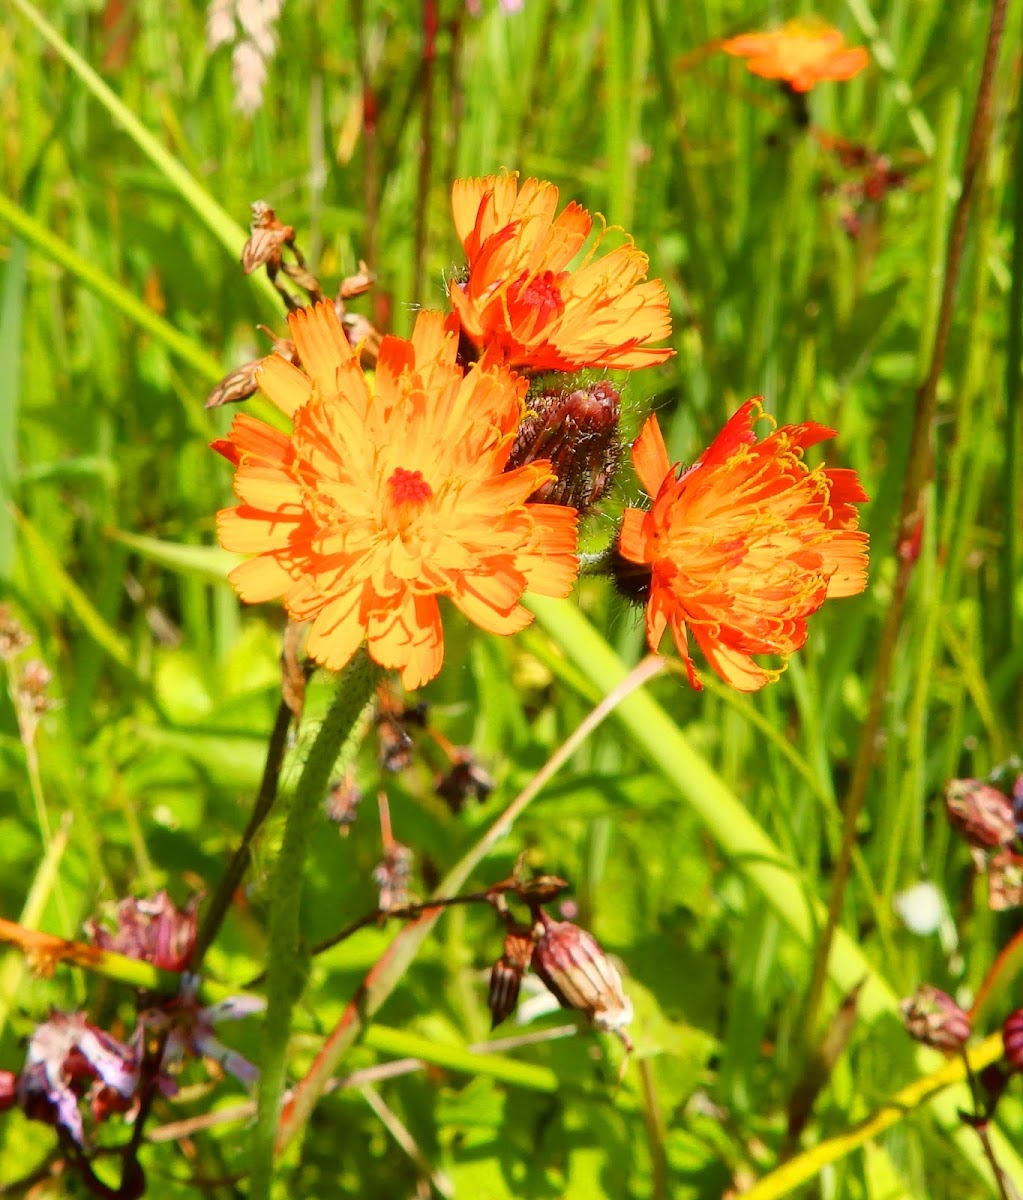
[[1012, 1039], [580, 975], [931, 1016], [151, 929], [578, 431], [506, 974], [979, 813]]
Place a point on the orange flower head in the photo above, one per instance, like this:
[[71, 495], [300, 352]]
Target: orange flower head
[[382, 499], [520, 299], [801, 54], [744, 545]]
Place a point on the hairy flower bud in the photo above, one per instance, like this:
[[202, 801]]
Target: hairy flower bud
[[578, 431], [931, 1016], [506, 974], [979, 813], [578, 972]]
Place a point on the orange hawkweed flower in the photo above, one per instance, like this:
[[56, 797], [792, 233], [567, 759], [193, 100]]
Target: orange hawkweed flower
[[380, 501], [744, 545], [801, 54], [519, 298]]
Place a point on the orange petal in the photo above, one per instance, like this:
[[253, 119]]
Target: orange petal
[[321, 344], [283, 384], [260, 579], [650, 457], [632, 539], [246, 530], [338, 631]]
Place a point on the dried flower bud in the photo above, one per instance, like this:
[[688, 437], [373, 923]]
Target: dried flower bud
[[30, 691], [580, 975], [979, 813], [65, 1055], [1012, 1039], [1005, 881], [266, 237], [153, 930], [392, 877], [342, 803], [506, 974], [13, 638], [395, 746], [578, 431], [541, 890], [931, 1016], [466, 780]]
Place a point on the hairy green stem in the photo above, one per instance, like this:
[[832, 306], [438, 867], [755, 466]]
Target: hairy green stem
[[286, 958]]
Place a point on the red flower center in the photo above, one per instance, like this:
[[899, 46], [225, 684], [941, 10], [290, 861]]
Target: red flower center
[[408, 487], [537, 297]]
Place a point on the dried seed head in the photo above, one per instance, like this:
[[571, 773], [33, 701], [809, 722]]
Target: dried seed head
[[466, 780], [30, 692], [342, 803], [979, 813], [931, 1016], [13, 638], [578, 972], [506, 974], [1012, 1039], [578, 431], [392, 877]]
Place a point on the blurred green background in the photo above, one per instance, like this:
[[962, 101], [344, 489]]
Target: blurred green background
[[122, 302]]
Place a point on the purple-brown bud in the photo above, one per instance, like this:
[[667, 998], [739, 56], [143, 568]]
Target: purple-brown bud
[[580, 975], [1012, 1039], [506, 974], [151, 929], [931, 1016], [980, 814], [578, 432]]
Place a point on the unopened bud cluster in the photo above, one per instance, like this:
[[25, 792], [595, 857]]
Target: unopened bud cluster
[[991, 824], [570, 963]]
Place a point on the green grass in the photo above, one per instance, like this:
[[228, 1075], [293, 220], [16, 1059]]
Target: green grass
[[698, 830]]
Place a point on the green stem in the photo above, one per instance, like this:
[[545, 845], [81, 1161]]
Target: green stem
[[286, 957], [236, 868]]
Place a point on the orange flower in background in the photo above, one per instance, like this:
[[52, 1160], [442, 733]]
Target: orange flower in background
[[744, 545], [802, 53], [521, 300], [380, 501]]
